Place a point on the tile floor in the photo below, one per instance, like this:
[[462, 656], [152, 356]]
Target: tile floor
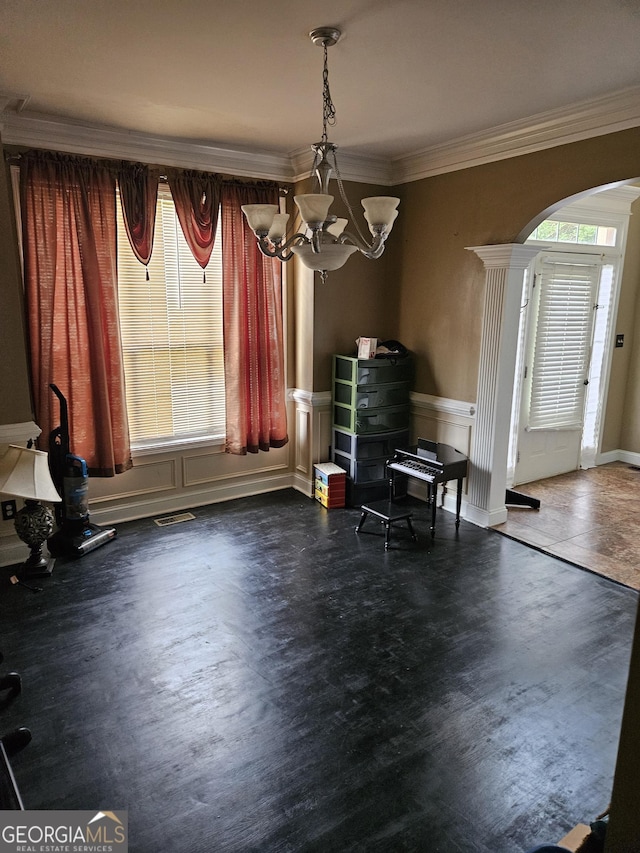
[[590, 518]]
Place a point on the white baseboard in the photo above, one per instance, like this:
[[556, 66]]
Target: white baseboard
[[485, 518], [147, 506], [12, 551], [619, 456]]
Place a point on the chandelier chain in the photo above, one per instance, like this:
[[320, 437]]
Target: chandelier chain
[[328, 108], [343, 196], [320, 239]]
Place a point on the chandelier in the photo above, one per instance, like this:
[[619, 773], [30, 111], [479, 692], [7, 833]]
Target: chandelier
[[324, 244]]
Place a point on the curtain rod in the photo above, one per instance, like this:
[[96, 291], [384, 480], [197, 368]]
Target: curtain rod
[[14, 159]]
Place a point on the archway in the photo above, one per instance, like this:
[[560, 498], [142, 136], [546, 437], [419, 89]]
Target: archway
[[566, 341], [505, 266]]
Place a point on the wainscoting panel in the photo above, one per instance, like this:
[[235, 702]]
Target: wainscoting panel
[[447, 421], [441, 419], [313, 435]]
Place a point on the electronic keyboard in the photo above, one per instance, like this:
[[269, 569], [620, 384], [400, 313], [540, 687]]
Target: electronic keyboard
[[433, 463]]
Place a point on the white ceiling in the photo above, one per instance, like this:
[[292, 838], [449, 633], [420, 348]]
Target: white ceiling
[[406, 75]]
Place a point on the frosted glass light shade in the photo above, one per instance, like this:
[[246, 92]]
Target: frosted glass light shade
[[380, 210], [313, 207], [24, 473], [337, 228], [331, 257], [260, 216], [278, 227], [389, 226]]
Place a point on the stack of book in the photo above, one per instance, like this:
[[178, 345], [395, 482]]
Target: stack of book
[[330, 484]]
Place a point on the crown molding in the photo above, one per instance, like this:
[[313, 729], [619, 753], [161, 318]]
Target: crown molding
[[57, 135], [594, 117]]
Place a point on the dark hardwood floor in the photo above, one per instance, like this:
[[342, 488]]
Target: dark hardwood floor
[[263, 679]]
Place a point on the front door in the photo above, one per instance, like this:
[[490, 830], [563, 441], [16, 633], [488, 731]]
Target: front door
[[563, 303]]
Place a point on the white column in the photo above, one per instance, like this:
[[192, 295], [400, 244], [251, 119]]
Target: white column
[[505, 265]]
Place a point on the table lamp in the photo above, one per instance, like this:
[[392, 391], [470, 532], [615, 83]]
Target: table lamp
[[24, 473]]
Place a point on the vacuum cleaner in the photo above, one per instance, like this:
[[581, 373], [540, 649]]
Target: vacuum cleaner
[[76, 535]]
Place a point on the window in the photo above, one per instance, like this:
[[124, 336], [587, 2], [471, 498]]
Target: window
[[582, 234], [172, 336]]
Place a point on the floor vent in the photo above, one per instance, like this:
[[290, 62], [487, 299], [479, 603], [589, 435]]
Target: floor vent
[[174, 519]]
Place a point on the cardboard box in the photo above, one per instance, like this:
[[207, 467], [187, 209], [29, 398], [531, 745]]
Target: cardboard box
[[574, 839]]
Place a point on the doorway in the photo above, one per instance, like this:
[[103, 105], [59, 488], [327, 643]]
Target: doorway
[[567, 315]]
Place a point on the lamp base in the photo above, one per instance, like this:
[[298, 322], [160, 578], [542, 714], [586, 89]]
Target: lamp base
[[34, 524], [36, 568]]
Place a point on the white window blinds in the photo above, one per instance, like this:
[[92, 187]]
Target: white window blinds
[[171, 336], [562, 346]]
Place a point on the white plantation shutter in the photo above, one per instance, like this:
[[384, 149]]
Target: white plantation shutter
[[171, 336], [562, 345]]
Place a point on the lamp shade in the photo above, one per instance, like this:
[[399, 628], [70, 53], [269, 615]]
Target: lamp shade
[[260, 216], [337, 227], [313, 207], [380, 210], [24, 473], [278, 227]]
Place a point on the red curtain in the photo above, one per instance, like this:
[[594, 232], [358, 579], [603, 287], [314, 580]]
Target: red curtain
[[69, 235], [138, 187], [253, 340], [196, 196]]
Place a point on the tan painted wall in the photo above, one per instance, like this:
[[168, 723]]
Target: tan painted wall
[[629, 323], [440, 285], [622, 421], [15, 399], [327, 318], [630, 429], [359, 299]]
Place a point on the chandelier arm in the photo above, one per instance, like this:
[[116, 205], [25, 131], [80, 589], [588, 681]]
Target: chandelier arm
[[321, 246], [372, 251], [279, 249]]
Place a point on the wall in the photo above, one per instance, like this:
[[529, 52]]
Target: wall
[[15, 399], [358, 299], [621, 428], [440, 285], [629, 435], [162, 483], [429, 293], [630, 430]]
